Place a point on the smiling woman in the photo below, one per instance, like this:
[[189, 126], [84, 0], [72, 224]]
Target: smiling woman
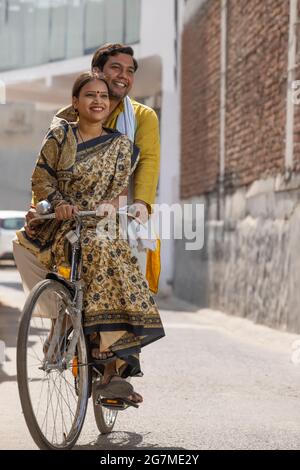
[[91, 102]]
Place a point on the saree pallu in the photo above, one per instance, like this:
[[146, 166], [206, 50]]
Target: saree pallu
[[117, 300]]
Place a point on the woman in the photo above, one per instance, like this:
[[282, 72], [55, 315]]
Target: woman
[[85, 166]]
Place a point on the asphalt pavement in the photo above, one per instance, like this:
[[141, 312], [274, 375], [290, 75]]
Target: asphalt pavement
[[214, 382]]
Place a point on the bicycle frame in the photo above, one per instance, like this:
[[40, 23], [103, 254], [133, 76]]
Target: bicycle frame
[[77, 303], [74, 238]]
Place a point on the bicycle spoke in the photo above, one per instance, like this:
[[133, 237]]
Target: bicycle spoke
[[49, 399], [71, 387], [67, 394], [65, 401], [41, 394]]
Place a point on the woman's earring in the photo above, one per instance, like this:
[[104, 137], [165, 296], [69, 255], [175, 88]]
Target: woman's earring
[[76, 112]]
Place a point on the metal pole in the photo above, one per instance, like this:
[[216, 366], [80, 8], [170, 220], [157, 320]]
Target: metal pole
[[220, 214], [289, 130]]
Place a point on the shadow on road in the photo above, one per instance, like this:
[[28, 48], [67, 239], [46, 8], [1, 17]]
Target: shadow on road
[[12, 285], [122, 441], [9, 323], [175, 305], [4, 377]]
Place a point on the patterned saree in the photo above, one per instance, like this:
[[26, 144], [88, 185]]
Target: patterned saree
[[117, 300]]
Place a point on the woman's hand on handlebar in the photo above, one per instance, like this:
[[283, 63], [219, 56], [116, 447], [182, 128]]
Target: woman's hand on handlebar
[[65, 211], [31, 222]]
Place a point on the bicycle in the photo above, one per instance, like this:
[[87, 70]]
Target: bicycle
[[56, 374]]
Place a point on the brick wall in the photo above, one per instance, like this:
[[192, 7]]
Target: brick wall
[[297, 108], [256, 89], [201, 101], [257, 54]]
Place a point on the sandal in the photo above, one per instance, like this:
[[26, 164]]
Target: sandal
[[138, 396], [100, 357], [103, 357], [134, 403], [116, 387]]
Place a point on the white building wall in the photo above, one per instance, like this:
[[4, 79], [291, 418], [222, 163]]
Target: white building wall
[[158, 35]]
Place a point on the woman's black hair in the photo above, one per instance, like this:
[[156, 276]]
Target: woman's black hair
[[85, 78]]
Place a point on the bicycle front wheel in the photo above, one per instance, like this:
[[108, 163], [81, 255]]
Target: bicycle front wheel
[[54, 394]]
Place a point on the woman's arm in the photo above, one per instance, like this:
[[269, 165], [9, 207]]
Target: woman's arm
[[44, 181]]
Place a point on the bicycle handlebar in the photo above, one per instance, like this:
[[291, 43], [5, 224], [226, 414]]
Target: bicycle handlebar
[[52, 215], [83, 214]]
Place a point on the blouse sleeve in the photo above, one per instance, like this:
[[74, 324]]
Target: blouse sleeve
[[44, 179]]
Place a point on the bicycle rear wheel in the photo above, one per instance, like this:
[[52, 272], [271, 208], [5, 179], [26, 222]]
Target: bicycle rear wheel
[[105, 417], [54, 394]]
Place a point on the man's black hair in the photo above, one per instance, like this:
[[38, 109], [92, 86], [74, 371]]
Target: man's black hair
[[102, 54]]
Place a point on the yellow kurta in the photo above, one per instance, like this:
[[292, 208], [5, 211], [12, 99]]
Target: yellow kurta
[[148, 141]]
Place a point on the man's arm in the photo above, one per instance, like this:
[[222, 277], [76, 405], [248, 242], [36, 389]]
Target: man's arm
[[147, 171], [68, 113]]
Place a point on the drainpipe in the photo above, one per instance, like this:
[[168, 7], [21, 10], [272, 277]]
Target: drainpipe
[[289, 130], [221, 201]]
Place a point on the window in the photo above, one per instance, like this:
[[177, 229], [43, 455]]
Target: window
[[132, 21], [34, 32]]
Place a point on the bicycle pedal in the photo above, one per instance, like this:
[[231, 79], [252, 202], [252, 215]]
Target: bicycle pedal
[[112, 403]]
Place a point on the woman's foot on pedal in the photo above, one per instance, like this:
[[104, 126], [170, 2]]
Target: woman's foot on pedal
[[114, 386]]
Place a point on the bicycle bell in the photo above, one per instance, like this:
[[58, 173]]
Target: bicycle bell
[[43, 207]]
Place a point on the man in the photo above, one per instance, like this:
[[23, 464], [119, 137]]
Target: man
[[136, 120]]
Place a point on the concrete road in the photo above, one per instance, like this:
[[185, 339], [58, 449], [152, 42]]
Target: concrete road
[[214, 382]]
